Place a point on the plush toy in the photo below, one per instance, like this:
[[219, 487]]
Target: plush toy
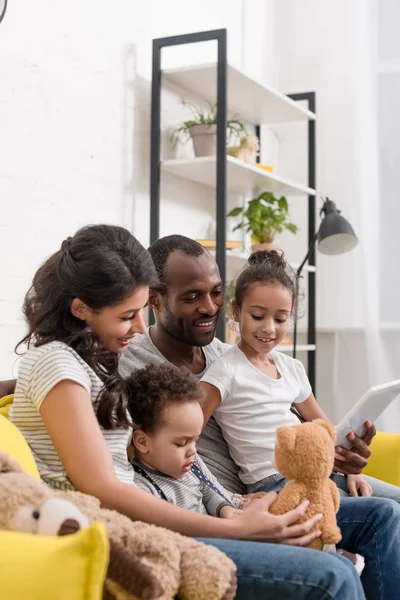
[[146, 562], [305, 454], [247, 151]]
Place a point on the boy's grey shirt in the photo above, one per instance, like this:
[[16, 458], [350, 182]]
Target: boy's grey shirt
[[211, 446], [187, 492]]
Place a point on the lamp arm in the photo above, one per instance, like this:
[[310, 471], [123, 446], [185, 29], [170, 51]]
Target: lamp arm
[[307, 256], [298, 273]]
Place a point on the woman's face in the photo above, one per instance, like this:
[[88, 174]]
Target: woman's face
[[116, 325]]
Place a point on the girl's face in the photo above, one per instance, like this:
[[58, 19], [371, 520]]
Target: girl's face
[[264, 316], [116, 325]]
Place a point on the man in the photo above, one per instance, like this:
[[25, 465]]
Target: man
[[187, 304]]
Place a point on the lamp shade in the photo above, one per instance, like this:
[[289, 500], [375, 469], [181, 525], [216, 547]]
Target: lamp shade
[[335, 234]]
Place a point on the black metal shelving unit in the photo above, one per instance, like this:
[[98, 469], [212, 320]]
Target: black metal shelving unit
[[220, 36]]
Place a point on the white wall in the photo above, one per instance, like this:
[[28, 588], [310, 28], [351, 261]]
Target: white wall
[[74, 123]]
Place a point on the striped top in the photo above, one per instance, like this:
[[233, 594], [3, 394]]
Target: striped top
[[187, 492], [41, 369]]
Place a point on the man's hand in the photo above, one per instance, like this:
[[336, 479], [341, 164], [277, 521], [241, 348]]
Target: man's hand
[[352, 461], [358, 486]]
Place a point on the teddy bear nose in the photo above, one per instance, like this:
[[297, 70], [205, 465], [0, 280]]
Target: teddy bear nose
[[36, 514], [68, 526]]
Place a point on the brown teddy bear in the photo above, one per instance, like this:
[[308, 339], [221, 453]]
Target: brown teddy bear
[[304, 455], [165, 564]]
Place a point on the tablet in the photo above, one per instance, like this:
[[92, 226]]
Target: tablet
[[370, 406]]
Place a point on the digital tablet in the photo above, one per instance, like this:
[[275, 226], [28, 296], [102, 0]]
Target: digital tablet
[[370, 406]]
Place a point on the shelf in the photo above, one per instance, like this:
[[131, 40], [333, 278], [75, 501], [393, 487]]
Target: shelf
[[299, 348], [242, 178], [237, 260], [247, 98]]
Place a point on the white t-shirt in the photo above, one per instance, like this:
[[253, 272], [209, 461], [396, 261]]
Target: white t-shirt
[[41, 369], [253, 406]]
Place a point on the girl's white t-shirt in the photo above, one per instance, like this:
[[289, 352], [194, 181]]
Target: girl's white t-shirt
[[40, 370], [254, 405]]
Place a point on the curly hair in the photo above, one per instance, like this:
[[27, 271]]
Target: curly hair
[[101, 265], [151, 389]]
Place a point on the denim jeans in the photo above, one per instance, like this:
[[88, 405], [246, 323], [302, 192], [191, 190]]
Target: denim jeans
[[277, 572], [380, 489], [370, 527]]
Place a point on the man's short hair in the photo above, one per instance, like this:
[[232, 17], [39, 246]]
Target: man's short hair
[[161, 249]]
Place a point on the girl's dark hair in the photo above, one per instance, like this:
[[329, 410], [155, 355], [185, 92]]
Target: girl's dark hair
[[269, 267], [101, 265], [151, 389]]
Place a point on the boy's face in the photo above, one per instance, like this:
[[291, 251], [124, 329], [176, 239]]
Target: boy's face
[[171, 449]]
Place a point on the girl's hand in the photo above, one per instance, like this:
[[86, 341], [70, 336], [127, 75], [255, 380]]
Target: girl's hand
[[358, 486], [257, 524]]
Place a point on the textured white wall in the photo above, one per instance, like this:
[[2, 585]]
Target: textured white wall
[[75, 128]]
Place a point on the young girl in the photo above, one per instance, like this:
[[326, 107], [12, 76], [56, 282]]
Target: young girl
[[250, 388], [83, 308]]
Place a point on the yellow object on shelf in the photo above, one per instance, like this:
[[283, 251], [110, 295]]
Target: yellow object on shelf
[[212, 244], [269, 168]]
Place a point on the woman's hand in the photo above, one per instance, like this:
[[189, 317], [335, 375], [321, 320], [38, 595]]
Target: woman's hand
[[257, 524], [358, 486]]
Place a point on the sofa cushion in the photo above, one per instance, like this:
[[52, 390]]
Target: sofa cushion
[[13, 443], [384, 462], [71, 567]]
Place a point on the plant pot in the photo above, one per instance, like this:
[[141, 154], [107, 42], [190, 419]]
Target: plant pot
[[204, 139], [267, 246]]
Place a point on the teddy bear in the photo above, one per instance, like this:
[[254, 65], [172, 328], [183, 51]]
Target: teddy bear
[[304, 455], [164, 564], [248, 149]]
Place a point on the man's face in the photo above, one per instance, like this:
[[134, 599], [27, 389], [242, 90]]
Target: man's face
[[189, 310]]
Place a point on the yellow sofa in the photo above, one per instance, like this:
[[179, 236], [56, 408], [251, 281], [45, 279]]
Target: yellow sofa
[[71, 567], [384, 462]]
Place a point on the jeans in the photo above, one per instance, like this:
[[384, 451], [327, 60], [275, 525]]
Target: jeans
[[277, 572], [370, 527], [380, 489]]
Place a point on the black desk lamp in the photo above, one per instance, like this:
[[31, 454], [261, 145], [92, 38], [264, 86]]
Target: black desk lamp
[[334, 236]]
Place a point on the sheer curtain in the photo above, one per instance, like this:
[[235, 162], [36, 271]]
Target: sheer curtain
[[370, 353]]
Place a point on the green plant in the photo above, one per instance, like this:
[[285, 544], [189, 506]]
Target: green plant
[[264, 216], [235, 128], [229, 295]]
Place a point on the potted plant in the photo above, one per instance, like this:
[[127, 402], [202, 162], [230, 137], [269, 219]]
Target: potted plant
[[202, 129], [264, 217], [231, 330]]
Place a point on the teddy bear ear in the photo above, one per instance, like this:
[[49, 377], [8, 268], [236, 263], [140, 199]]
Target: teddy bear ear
[[8, 464], [286, 436], [328, 426]]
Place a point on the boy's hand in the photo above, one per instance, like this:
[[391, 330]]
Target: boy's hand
[[227, 512], [254, 496]]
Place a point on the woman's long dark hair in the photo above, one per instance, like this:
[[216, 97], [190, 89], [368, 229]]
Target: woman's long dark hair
[[101, 265]]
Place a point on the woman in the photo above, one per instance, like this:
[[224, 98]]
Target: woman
[[83, 308]]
